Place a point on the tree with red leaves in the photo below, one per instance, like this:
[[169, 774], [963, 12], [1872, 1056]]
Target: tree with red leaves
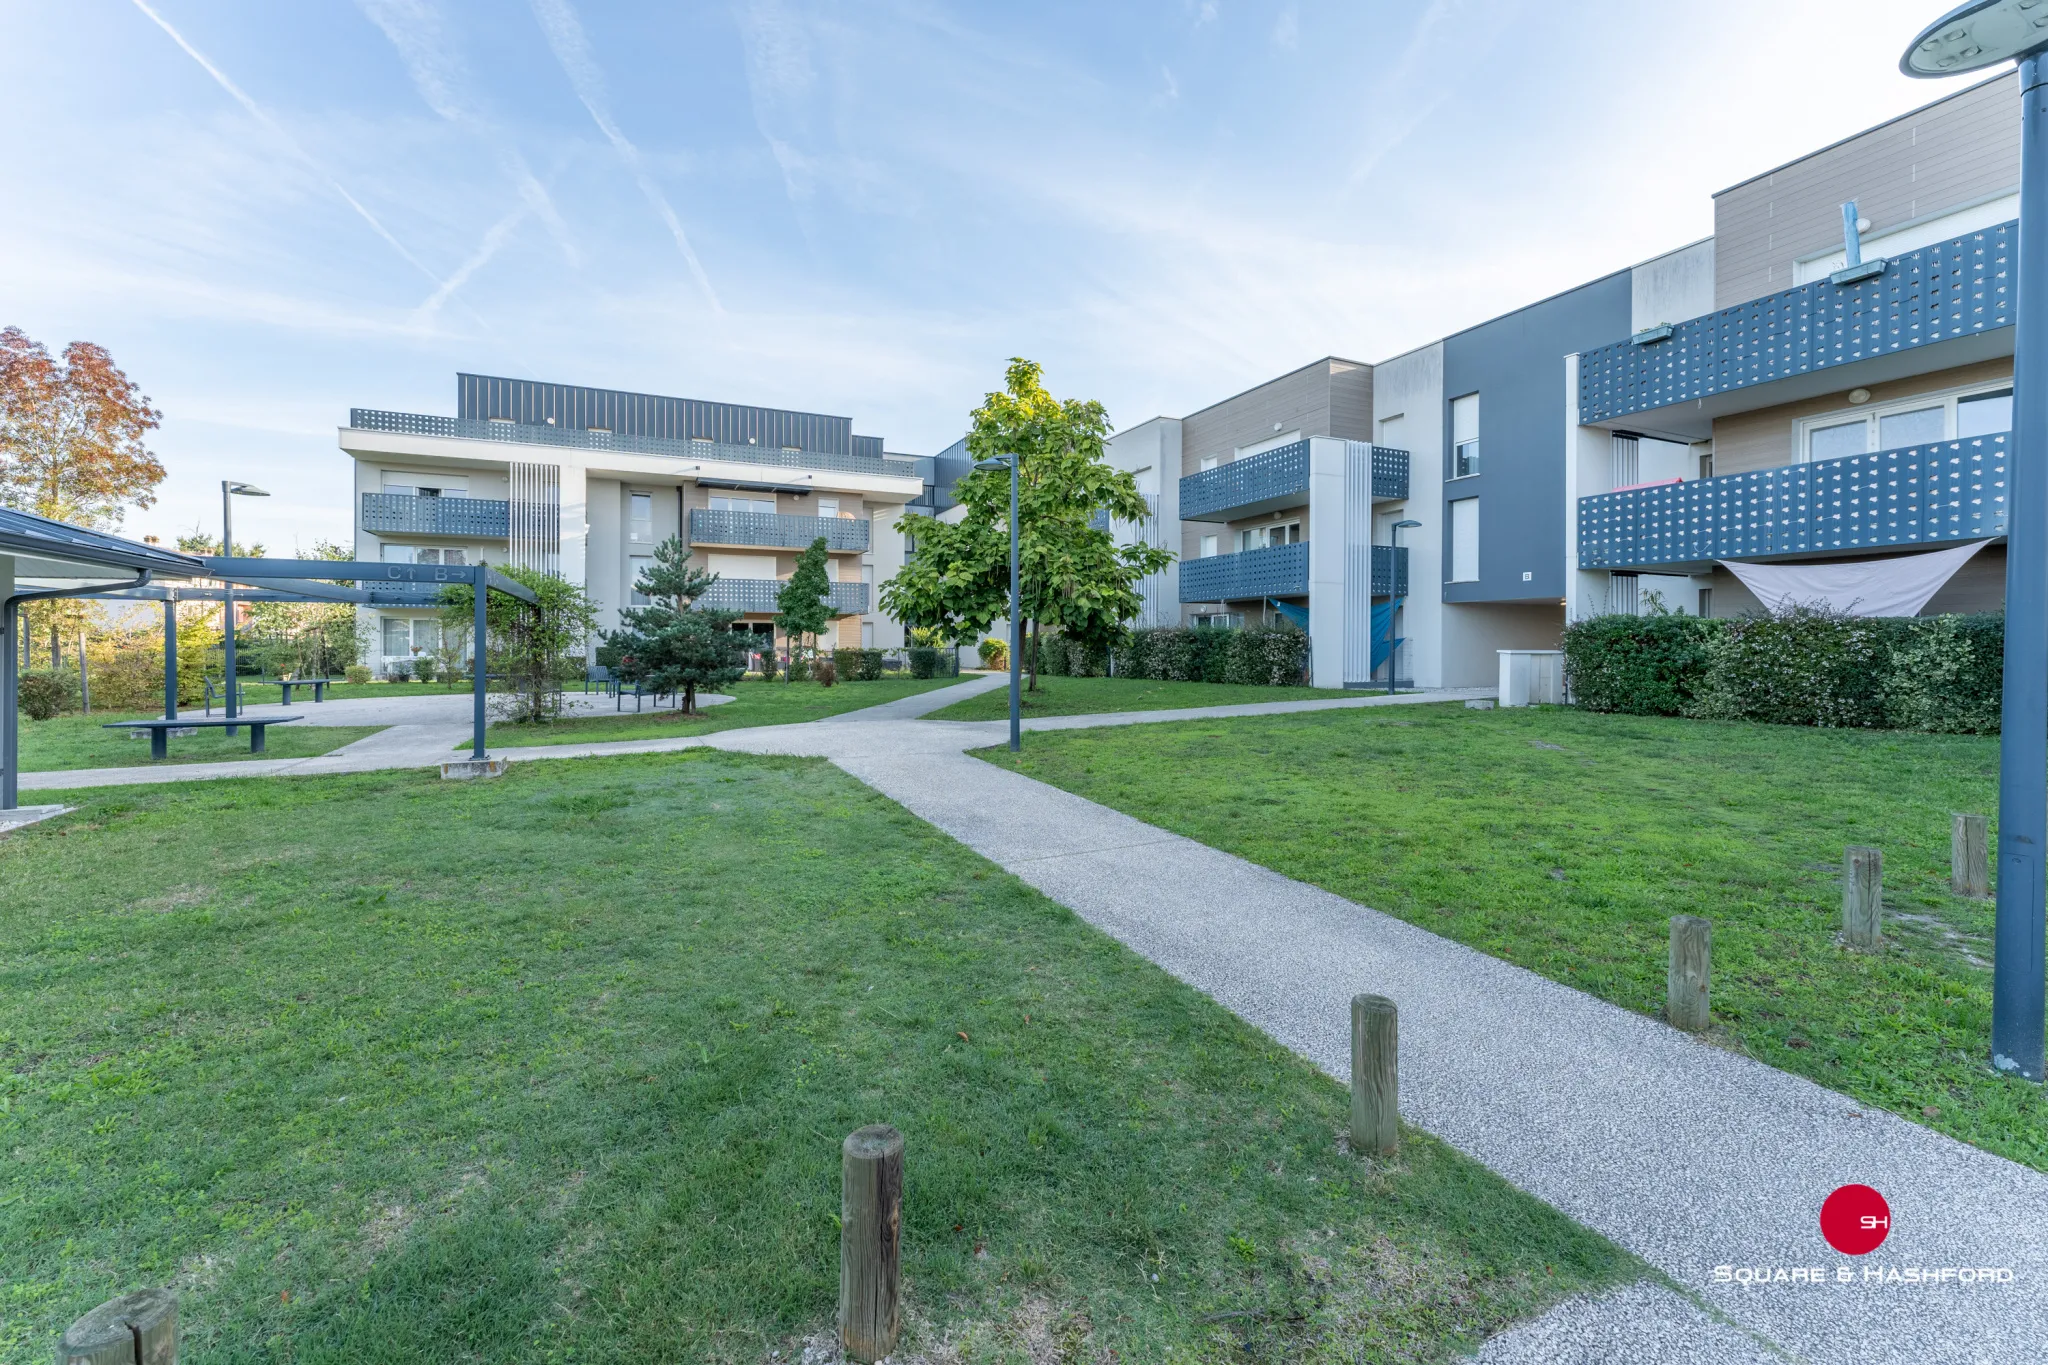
[[71, 434]]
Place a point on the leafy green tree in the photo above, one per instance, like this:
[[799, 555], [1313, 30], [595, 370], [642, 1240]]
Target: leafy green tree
[[534, 649], [670, 645], [1074, 576], [801, 608]]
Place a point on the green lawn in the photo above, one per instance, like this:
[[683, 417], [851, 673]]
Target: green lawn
[[556, 1067], [1090, 696], [81, 742], [753, 703], [1563, 841]]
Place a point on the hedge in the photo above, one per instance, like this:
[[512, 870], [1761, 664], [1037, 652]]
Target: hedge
[[1266, 656], [1801, 667], [858, 665]]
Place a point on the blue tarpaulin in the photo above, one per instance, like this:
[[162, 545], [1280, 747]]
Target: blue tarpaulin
[[1298, 615], [1382, 622]]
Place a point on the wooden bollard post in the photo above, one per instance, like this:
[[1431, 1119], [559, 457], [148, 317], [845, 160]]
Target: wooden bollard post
[[135, 1329], [1375, 1075], [1969, 856], [1862, 896], [870, 1241], [1688, 983]]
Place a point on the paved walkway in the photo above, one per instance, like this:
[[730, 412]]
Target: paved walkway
[[1690, 1156]]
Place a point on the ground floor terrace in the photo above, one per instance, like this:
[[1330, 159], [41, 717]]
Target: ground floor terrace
[[572, 1084]]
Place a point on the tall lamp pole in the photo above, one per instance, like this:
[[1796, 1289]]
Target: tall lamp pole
[[1016, 621], [1393, 576], [230, 489], [1980, 34]]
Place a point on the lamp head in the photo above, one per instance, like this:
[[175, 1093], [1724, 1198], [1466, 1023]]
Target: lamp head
[[995, 462], [1406, 525], [247, 490], [1978, 34]]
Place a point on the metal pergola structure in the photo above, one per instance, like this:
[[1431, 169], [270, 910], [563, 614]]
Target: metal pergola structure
[[40, 558]]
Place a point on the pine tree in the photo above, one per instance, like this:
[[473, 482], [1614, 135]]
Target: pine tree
[[672, 645], [801, 608]]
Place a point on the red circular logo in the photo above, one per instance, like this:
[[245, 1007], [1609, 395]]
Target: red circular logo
[[1855, 1220]]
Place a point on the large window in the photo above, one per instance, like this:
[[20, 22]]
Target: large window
[[1264, 537], [1922, 420], [1465, 540], [636, 567], [403, 635], [761, 506], [640, 529], [1465, 436], [1208, 550]]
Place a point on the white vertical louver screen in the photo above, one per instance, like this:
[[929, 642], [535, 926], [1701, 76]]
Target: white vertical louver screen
[[535, 511], [1628, 461]]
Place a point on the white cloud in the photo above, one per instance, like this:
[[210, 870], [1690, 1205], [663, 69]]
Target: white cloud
[[1287, 29]]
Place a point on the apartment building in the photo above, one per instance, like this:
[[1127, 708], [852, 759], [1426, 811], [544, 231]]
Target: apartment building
[[586, 482], [1825, 385]]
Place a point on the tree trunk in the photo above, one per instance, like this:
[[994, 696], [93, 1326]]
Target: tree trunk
[[689, 699], [1031, 658]]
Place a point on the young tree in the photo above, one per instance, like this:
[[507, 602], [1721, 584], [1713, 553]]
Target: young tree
[[535, 648], [71, 434], [1073, 575], [670, 645], [801, 608]]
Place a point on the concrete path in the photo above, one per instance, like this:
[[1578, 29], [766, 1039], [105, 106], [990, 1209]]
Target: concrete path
[[1692, 1157]]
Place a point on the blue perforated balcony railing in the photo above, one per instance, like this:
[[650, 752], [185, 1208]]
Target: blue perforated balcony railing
[[1279, 571], [1916, 495], [1938, 293], [409, 514], [757, 595], [1278, 478], [527, 433], [708, 527]]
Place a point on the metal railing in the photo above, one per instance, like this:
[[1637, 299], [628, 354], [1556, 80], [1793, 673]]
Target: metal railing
[[1275, 478], [1951, 289], [410, 514], [527, 433], [757, 595], [1914, 495], [1276, 571], [710, 527]]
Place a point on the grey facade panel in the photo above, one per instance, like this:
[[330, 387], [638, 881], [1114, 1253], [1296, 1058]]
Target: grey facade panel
[[1516, 366], [649, 415], [1959, 150]]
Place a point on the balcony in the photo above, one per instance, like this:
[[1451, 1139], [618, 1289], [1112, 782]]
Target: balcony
[[1278, 478], [1279, 571], [1938, 493], [527, 433], [407, 514], [1953, 289], [757, 596], [708, 527]]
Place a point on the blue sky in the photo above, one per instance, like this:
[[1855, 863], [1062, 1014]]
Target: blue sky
[[271, 212]]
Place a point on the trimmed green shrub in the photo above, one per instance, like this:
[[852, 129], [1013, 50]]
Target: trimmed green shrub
[[858, 665], [1641, 665], [994, 653], [1801, 667], [42, 695], [357, 673], [924, 661], [1947, 675]]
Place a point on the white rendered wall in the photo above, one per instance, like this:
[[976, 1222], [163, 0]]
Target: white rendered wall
[[885, 556], [1411, 387], [1673, 287], [1155, 444], [1326, 526]]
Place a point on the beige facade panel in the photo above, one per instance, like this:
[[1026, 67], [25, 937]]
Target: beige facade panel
[[1767, 437], [1959, 151], [1329, 398]]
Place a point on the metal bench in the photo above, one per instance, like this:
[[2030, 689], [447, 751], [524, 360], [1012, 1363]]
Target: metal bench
[[319, 686], [160, 728]]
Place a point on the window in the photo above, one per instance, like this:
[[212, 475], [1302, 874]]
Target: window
[[1706, 602], [1261, 447], [758, 506], [1209, 462], [1208, 547], [456, 557], [642, 527], [1465, 436], [397, 636], [1983, 414], [1264, 537], [396, 554], [1465, 540], [637, 565], [828, 507], [1705, 451], [426, 635], [421, 554], [1920, 420]]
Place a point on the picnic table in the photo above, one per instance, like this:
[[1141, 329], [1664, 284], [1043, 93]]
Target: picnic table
[[160, 729]]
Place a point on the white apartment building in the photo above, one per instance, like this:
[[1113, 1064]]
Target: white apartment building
[[586, 482]]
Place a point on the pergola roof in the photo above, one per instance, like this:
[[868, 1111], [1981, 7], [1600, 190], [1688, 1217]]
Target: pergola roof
[[49, 554]]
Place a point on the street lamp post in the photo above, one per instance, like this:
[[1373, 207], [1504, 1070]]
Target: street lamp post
[[1980, 34], [230, 489], [1393, 575], [1016, 622]]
